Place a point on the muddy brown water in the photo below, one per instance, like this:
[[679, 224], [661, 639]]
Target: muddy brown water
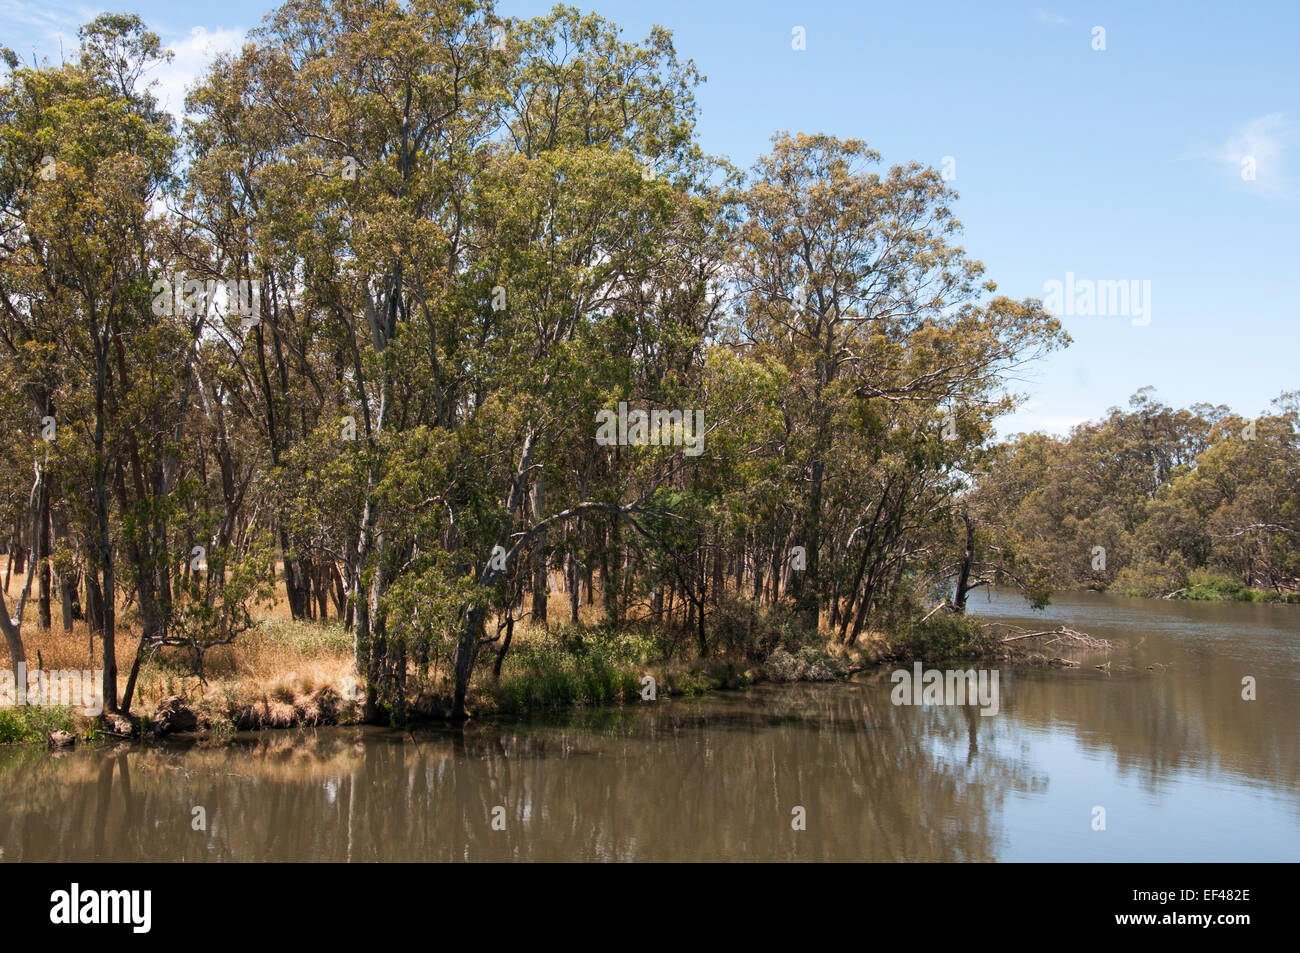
[[1184, 768]]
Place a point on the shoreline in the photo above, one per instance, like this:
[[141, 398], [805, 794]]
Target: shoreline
[[186, 719], [178, 718], [562, 671]]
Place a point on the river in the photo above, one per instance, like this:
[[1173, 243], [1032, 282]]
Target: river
[[1161, 740]]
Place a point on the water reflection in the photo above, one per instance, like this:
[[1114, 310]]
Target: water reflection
[[1183, 766]]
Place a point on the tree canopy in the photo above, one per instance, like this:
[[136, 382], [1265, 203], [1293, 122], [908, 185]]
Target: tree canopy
[[353, 328]]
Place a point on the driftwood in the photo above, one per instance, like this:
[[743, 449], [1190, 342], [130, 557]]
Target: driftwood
[[1033, 635], [1061, 634]]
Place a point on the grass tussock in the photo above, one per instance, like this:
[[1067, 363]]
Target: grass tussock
[[567, 667], [282, 673]]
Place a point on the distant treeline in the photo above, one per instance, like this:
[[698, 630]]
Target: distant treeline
[[1153, 501]]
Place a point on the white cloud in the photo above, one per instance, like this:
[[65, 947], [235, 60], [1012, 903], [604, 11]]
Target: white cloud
[[1047, 16], [51, 33], [1260, 145], [37, 27], [193, 53]]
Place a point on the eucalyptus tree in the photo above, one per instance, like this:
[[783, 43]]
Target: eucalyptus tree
[[852, 280], [1147, 498], [88, 154], [466, 241], [585, 215], [457, 216]]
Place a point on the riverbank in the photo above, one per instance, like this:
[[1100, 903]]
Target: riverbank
[[293, 674], [716, 776], [1200, 585], [287, 674], [562, 684]]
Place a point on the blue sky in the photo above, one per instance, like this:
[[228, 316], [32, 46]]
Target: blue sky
[[1122, 164]]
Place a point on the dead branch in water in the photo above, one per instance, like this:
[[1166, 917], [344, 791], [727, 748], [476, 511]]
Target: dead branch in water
[[1063, 634]]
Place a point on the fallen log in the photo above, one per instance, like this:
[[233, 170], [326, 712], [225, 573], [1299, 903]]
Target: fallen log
[[1034, 635], [1062, 634]]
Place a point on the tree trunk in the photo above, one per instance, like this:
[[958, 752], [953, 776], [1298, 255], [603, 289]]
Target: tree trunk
[[610, 566], [42, 553], [541, 584], [466, 650], [13, 639], [108, 588], [968, 560], [505, 647], [575, 584]]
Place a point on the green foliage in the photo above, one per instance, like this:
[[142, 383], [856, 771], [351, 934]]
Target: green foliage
[[31, 723], [465, 252], [1196, 502], [213, 606], [933, 637], [1204, 585], [741, 627], [945, 635], [562, 674], [688, 682], [1151, 579]]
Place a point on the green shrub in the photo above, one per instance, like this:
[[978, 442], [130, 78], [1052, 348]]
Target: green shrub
[[1206, 585], [740, 627], [32, 723], [692, 682], [944, 635], [575, 668], [1152, 579]]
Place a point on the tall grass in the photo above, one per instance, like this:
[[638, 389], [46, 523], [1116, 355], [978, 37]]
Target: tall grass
[[570, 669]]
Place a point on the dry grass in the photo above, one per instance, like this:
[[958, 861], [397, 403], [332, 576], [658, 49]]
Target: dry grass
[[284, 672], [282, 668], [282, 665]]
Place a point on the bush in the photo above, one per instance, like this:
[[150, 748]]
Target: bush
[[32, 723], [807, 665], [741, 627], [784, 667], [1205, 585], [822, 667], [574, 670], [1150, 579], [692, 681], [944, 635]]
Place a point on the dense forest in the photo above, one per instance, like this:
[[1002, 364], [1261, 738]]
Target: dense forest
[[429, 321]]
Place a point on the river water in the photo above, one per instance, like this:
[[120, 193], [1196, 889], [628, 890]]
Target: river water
[[1161, 740]]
